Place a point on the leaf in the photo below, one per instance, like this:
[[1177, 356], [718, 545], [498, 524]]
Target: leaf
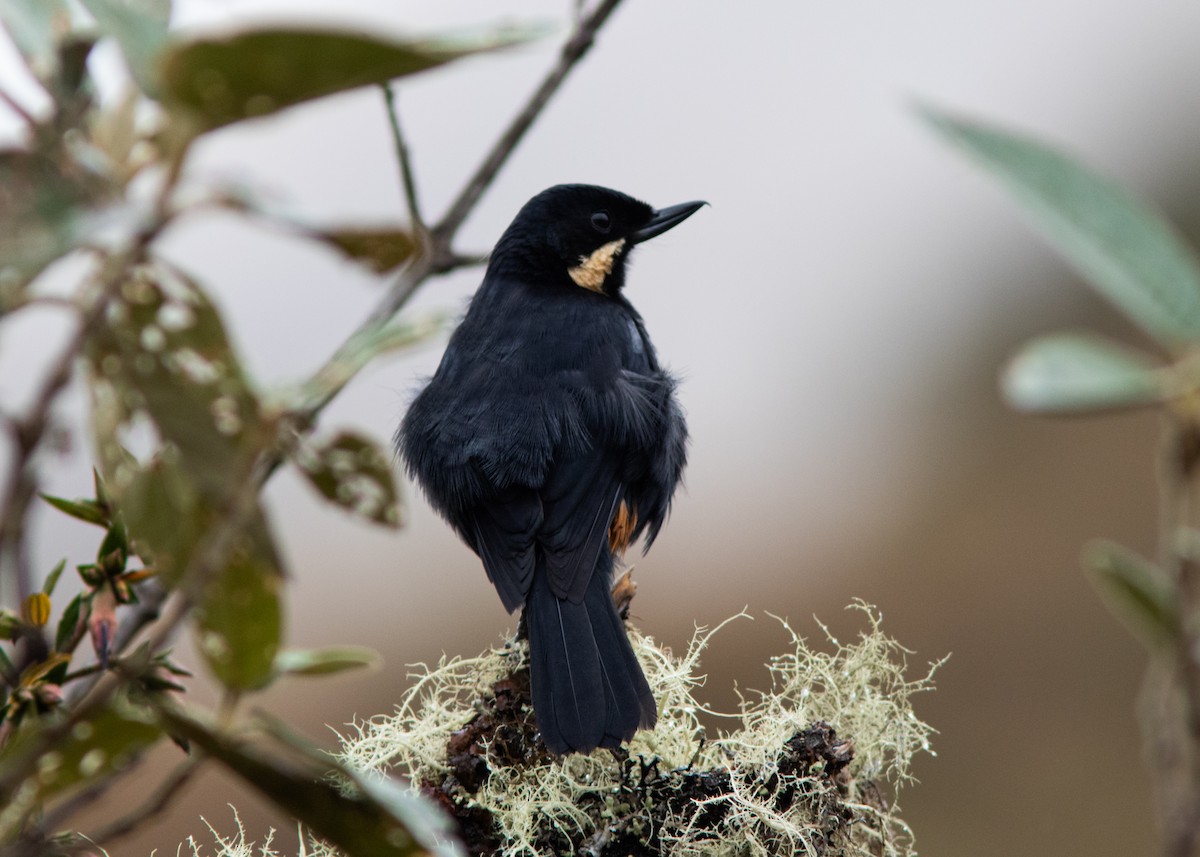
[[381, 249], [164, 515], [68, 624], [334, 659], [139, 28], [165, 353], [1127, 250], [1065, 373], [114, 549], [42, 211], [1137, 591], [352, 472], [11, 625], [239, 617], [84, 510], [256, 73], [34, 26], [95, 747], [365, 823], [42, 671], [53, 576]]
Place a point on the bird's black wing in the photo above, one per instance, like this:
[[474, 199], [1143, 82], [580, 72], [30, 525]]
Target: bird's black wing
[[503, 532], [579, 500]]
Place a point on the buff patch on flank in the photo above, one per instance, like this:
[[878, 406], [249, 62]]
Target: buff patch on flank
[[592, 270]]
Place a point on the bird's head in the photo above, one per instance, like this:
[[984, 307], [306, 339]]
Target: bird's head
[[580, 236]]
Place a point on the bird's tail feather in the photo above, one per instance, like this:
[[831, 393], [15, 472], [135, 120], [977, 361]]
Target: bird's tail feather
[[588, 687]]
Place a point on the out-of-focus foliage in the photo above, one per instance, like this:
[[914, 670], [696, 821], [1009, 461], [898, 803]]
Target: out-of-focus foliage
[[184, 438], [1131, 255]]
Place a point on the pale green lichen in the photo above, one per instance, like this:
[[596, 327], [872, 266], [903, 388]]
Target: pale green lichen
[[234, 845], [765, 806], [860, 688]]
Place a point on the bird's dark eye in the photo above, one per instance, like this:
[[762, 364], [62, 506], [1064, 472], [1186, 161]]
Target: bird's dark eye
[[601, 221]]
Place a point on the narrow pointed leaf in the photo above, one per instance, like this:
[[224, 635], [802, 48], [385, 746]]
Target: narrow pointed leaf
[[1072, 373], [84, 510], [1136, 590], [1126, 249], [53, 576], [381, 249], [222, 80], [68, 624], [334, 659], [351, 471]]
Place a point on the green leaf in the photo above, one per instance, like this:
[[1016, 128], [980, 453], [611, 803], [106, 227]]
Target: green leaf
[[239, 617], [43, 211], [139, 28], [97, 746], [1071, 373], [115, 542], [68, 623], [351, 471], [366, 822], [381, 249], [1127, 250], [164, 515], [165, 353], [84, 510], [256, 73], [1137, 591], [53, 576], [334, 659], [34, 26]]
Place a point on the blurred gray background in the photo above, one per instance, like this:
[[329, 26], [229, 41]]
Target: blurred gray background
[[839, 316]]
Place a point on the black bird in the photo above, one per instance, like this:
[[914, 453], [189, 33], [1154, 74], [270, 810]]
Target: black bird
[[550, 439]]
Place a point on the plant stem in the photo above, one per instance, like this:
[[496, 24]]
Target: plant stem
[[573, 51], [404, 158]]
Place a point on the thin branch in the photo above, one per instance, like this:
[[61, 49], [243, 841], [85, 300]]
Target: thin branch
[[30, 429], [16, 107], [163, 795], [572, 52], [404, 157]]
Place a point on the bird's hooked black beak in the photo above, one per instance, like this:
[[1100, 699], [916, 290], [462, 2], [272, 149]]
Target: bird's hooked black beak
[[664, 219]]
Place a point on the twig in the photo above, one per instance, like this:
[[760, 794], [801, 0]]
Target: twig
[[1181, 507], [404, 157], [162, 798], [29, 431], [16, 107], [572, 52]]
